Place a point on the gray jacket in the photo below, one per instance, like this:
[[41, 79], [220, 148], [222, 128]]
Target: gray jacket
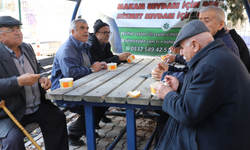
[[10, 91]]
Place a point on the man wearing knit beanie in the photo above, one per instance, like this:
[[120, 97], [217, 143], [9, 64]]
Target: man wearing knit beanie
[[99, 24], [100, 49]]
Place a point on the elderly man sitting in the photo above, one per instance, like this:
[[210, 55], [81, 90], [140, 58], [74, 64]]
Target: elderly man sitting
[[210, 109]]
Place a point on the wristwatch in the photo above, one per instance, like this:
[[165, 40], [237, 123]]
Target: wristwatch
[[92, 70]]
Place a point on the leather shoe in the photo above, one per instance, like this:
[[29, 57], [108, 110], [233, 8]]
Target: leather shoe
[[96, 135], [106, 120], [74, 141], [97, 127]]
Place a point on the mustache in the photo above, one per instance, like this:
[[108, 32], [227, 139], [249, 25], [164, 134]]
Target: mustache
[[18, 36], [85, 34]]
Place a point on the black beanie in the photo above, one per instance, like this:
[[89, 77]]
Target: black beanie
[[98, 24], [192, 16]]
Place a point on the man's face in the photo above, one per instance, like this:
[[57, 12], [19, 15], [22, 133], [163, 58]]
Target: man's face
[[103, 35], [11, 36], [82, 32], [210, 20], [186, 49]]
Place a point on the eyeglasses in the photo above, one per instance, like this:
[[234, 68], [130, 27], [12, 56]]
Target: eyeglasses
[[106, 33], [11, 30]]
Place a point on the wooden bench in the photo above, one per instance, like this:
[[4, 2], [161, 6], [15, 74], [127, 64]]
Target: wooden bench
[[46, 62]]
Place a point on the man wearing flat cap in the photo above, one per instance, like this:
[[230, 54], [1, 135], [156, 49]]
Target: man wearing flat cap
[[20, 87], [214, 18], [100, 49], [210, 109]]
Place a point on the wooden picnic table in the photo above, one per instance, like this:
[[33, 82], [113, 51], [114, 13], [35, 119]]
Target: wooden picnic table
[[109, 88]]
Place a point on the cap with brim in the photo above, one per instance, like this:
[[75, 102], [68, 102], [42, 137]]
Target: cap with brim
[[8, 21], [189, 30]]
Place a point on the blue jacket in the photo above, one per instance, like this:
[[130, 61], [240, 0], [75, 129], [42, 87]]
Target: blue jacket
[[212, 110], [68, 62], [227, 39]]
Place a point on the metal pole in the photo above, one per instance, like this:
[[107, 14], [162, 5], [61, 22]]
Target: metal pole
[[19, 9], [75, 10], [247, 7], [123, 131], [117, 113]]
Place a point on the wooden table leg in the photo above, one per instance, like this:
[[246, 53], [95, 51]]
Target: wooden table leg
[[90, 127], [131, 129]]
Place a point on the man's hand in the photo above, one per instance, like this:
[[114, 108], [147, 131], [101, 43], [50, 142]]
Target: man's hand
[[163, 66], [170, 58], [104, 65], [97, 66], [45, 83], [159, 70], [156, 74], [162, 90], [175, 50], [27, 79], [124, 56], [172, 81]]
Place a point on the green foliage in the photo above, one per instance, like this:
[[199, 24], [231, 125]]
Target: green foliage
[[236, 9]]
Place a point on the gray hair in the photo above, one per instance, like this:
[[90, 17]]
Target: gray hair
[[73, 24], [220, 15]]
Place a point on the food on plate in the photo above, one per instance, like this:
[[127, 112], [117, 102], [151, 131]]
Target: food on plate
[[134, 93]]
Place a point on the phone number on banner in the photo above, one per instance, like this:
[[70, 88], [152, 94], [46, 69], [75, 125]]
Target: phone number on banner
[[146, 49]]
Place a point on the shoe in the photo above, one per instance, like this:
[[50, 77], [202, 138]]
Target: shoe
[[96, 135], [106, 120], [74, 141], [97, 127]]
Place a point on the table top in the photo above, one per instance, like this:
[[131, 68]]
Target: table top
[[112, 86]]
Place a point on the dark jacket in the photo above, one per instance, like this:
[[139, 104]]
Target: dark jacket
[[212, 110], [176, 72], [243, 49], [179, 59], [97, 54], [227, 39], [14, 96]]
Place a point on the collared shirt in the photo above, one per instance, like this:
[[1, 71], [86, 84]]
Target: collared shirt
[[20, 60], [84, 48], [103, 46]]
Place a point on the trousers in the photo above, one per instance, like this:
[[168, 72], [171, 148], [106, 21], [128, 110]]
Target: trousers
[[78, 127], [52, 122]]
